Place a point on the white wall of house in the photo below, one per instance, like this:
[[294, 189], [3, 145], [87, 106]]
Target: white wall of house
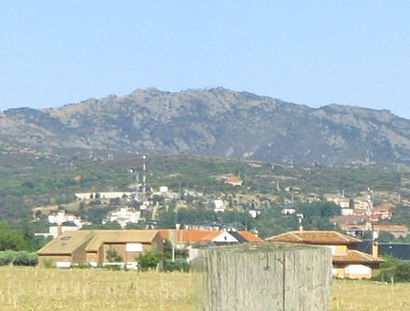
[[63, 264], [225, 237], [358, 270], [219, 206], [62, 216], [163, 189], [254, 213], [123, 216], [288, 211], [346, 211]]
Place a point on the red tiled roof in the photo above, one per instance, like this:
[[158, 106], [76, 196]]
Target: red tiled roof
[[203, 236], [190, 236], [233, 180], [353, 256], [314, 237], [165, 233], [249, 236]]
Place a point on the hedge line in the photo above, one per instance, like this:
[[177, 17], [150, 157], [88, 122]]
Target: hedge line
[[18, 258]]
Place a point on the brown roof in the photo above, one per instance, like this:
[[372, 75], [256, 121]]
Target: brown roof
[[70, 241], [249, 236], [314, 237], [353, 256], [66, 244], [233, 180], [120, 236]]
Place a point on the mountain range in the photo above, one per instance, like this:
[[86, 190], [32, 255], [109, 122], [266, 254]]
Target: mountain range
[[209, 122]]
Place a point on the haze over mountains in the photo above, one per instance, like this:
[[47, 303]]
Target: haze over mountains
[[211, 122]]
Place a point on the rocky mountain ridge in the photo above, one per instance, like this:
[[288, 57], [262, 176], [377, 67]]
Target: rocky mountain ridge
[[212, 122]]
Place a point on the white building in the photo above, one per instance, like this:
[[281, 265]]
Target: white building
[[62, 217], [163, 189], [63, 222], [254, 213], [347, 211], [219, 206], [123, 216]]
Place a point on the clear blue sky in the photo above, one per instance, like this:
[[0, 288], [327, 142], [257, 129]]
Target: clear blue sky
[[308, 52]]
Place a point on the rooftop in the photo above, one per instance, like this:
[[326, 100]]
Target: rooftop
[[354, 256], [67, 243], [70, 241], [314, 237]]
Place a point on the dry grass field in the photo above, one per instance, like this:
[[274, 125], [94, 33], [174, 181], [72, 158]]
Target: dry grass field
[[86, 289], [370, 296], [76, 289]]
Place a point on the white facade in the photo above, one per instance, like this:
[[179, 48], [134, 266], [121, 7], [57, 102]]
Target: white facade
[[219, 206], [346, 211], [358, 271], [63, 264], [163, 189], [288, 211], [61, 217], [254, 213], [123, 216], [224, 237]]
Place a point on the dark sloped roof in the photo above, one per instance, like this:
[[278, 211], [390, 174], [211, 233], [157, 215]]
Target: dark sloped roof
[[237, 236]]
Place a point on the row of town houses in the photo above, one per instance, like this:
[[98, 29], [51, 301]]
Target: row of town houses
[[90, 247]]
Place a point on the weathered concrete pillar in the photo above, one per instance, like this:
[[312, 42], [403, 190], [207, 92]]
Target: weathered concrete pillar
[[263, 276]]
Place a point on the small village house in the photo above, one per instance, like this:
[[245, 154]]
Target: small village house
[[347, 263], [123, 216], [67, 250], [234, 181], [91, 247], [194, 239]]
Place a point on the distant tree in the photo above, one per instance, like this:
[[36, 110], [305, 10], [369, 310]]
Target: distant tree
[[12, 239], [317, 215], [401, 215], [393, 270], [130, 225], [96, 214], [110, 225], [150, 260], [273, 222], [386, 237]]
